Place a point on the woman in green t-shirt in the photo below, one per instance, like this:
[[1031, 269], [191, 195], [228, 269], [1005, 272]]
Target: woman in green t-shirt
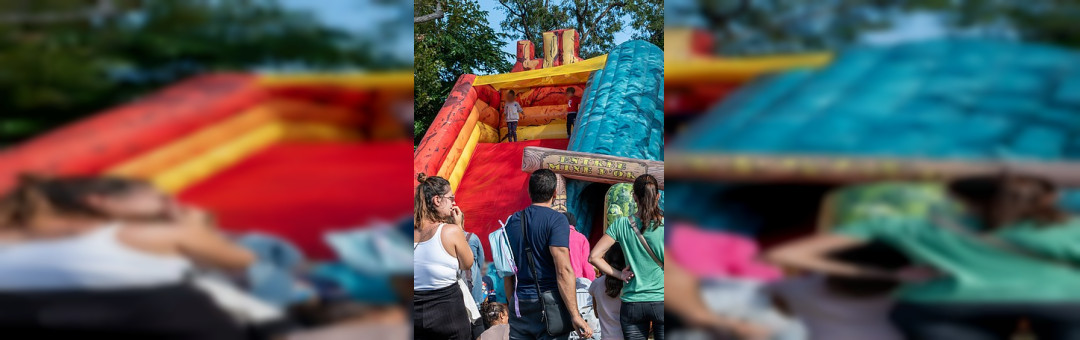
[[643, 295], [1012, 254]]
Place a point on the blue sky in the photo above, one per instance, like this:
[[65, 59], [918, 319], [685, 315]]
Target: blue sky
[[362, 17]]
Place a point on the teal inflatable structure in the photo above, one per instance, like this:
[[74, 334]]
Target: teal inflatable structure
[[622, 114], [949, 99]]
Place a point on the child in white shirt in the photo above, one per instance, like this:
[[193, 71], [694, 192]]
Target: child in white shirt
[[513, 112]]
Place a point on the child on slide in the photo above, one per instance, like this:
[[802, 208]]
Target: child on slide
[[513, 112]]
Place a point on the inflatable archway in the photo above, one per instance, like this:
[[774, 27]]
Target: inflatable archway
[[911, 112], [464, 143]]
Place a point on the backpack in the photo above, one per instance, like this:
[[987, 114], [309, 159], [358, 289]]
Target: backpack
[[501, 255]]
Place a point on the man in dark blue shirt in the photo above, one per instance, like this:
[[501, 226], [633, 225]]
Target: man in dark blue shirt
[[548, 234]]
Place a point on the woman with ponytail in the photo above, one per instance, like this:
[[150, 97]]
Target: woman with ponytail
[[439, 252], [642, 240], [1011, 255]]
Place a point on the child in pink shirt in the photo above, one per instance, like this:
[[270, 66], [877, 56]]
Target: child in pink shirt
[[579, 251]]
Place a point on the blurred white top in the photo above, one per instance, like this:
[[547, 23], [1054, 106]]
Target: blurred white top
[[433, 267], [834, 317], [94, 260]]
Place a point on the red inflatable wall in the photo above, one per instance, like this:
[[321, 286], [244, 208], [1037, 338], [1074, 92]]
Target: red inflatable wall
[[445, 128], [92, 145]]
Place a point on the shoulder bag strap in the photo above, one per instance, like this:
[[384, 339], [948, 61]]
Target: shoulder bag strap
[[529, 252], [633, 225], [999, 243]]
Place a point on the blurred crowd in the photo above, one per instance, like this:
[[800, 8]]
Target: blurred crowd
[[115, 258]]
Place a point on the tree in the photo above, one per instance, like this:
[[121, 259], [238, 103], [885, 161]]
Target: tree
[[647, 20], [64, 60], [787, 26], [596, 21], [445, 48]]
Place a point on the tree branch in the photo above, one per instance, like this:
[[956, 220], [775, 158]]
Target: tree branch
[[601, 17], [438, 14]]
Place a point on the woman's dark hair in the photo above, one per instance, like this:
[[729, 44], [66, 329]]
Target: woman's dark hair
[[875, 254], [428, 188], [34, 196], [614, 257], [647, 197], [1002, 200], [491, 312]]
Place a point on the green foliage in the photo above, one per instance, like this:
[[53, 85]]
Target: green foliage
[[787, 26], [59, 70], [596, 21], [459, 43], [647, 20]]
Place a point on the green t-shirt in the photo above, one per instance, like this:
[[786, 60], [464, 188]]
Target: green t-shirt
[[978, 272], [648, 282]]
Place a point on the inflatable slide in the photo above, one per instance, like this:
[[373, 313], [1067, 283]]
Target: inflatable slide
[[908, 113], [466, 145], [291, 155]]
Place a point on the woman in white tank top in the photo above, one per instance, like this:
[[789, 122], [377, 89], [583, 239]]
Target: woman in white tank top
[[60, 234], [439, 252]]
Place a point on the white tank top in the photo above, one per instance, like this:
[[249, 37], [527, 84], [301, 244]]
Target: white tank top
[[94, 260], [433, 267]]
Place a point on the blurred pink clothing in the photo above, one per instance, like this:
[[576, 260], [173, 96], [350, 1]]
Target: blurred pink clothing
[[579, 255], [718, 254]]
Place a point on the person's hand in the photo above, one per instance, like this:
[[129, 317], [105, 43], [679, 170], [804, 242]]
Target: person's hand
[[189, 216], [581, 326], [749, 331], [625, 275], [458, 216], [916, 274]]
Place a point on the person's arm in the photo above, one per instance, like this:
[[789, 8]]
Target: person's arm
[[454, 236], [564, 273], [207, 246], [812, 254], [596, 258], [682, 296], [508, 287]]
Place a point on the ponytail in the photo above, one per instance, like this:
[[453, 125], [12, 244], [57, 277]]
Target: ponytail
[[428, 188], [647, 196], [20, 207]]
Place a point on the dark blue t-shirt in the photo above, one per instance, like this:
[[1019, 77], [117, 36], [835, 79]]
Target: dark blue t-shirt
[[546, 228]]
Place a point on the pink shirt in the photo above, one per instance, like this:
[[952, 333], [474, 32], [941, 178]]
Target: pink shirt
[[579, 255], [707, 253]]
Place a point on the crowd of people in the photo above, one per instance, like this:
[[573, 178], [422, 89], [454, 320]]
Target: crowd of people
[[544, 280], [110, 257], [996, 258]]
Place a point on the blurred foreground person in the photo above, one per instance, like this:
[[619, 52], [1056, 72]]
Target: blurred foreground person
[[845, 308], [642, 240], [439, 252], [70, 267], [1013, 254]]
